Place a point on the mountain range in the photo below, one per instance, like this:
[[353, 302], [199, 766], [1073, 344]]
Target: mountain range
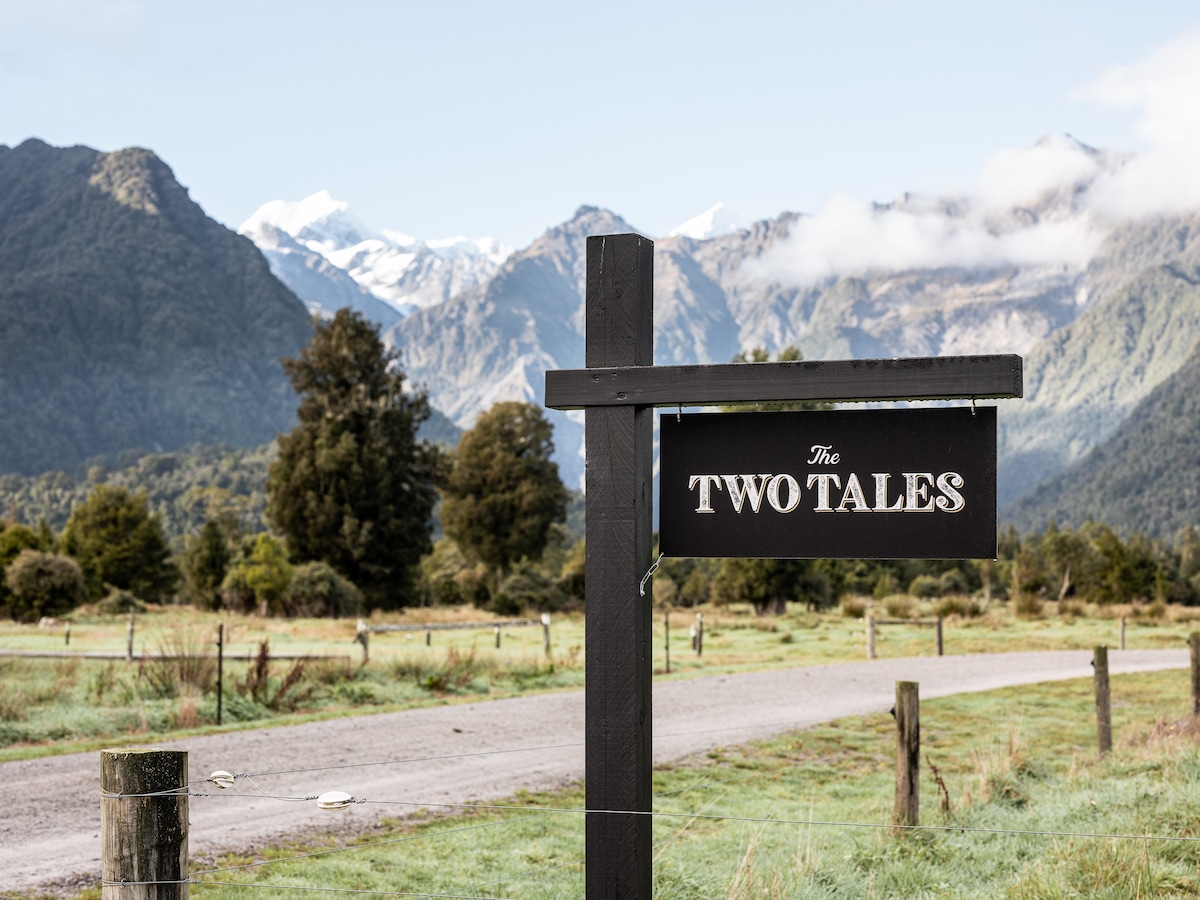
[[133, 320], [1103, 311]]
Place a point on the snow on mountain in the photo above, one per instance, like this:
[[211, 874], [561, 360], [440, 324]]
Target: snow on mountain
[[326, 245], [713, 222]]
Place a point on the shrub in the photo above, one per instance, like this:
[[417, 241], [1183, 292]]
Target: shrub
[[186, 666], [899, 606], [526, 588], [317, 590], [1027, 605], [43, 584], [853, 607], [959, 605], [953, 581], [117, 601], [885, 586], [926, 587], [264, 573]]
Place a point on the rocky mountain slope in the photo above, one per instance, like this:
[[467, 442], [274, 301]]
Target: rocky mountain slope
[[128, 318]]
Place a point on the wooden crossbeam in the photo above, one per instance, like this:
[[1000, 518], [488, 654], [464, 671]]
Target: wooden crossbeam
[[922, 378]]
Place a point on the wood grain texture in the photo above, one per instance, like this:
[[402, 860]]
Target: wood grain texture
[[926, 378], [908, 754], [618, 445], [1103, 700], [144, 839]]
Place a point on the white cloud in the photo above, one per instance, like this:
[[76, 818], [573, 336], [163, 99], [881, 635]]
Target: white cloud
[[1076, 192], [1020, 177], [1166, 88], [850, 236]]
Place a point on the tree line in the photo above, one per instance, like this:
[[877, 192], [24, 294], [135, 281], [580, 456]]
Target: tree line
[[353, 499], [350, 499]]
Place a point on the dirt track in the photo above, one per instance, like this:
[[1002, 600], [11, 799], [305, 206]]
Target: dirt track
[[50, 833]]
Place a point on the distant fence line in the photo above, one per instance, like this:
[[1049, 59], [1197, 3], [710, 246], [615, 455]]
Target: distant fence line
[[365, 629]]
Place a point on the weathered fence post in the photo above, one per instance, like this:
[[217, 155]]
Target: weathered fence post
[[428, 637], [144, 824], [1103, 706], [67, 635], [362, 635], [699, 634], [129, 640], [546, 633], [221, 667], [667, 637], [1122, 632], [497, 631], [870, 636], [908, 754], [1194, 645], [940, 645]]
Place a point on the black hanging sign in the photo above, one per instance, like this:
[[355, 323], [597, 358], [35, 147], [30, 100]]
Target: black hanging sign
[[880, 483]]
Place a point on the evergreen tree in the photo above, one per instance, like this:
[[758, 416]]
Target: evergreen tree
[[353, 487], [117, 542], [503, 491], [205, 563]]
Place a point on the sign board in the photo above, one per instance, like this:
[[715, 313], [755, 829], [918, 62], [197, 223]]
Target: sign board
[[880, 483]]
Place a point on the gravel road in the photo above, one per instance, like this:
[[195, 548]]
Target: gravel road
[[472, 752]]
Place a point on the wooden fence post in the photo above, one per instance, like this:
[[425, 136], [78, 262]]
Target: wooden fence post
[[908, 754], [221, 666], [546, 633], [1122, 632], [940, 645], [144, 839], [667, 637], [129, 640], [362, 635], [497, 631], [1103, 705], [1194, 645], [870, 636], [699, 634]]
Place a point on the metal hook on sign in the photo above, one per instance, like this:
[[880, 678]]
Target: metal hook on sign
[[653, 568]]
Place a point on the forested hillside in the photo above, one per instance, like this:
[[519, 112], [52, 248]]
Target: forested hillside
[[1145, 478], [128, 318]]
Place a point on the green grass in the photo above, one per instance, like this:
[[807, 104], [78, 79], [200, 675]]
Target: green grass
[[59, 706], [1017, 759]]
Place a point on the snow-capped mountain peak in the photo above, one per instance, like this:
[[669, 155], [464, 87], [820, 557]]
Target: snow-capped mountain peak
[[394, 267], [713, 222], [318, 221]]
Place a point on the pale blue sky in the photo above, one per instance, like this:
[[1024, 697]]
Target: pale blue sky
[[499, 119]]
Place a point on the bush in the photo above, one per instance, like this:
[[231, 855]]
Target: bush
[[526, 588], [317, 590], [43, 584], [953, 581], [117, 601], [959, 605], [899, 606], [260, 578], [926, 587], [853, 607], [1027, 605]]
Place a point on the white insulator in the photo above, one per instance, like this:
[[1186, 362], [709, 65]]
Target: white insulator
[[334, 800]]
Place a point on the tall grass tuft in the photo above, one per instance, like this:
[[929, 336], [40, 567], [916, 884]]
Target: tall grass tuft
[[187, 665]]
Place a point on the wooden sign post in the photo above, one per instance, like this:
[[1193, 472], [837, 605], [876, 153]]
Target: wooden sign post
[[618, 390]]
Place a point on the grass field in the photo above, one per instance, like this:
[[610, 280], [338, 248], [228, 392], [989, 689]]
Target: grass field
[[1013, 760], [57, 706]]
